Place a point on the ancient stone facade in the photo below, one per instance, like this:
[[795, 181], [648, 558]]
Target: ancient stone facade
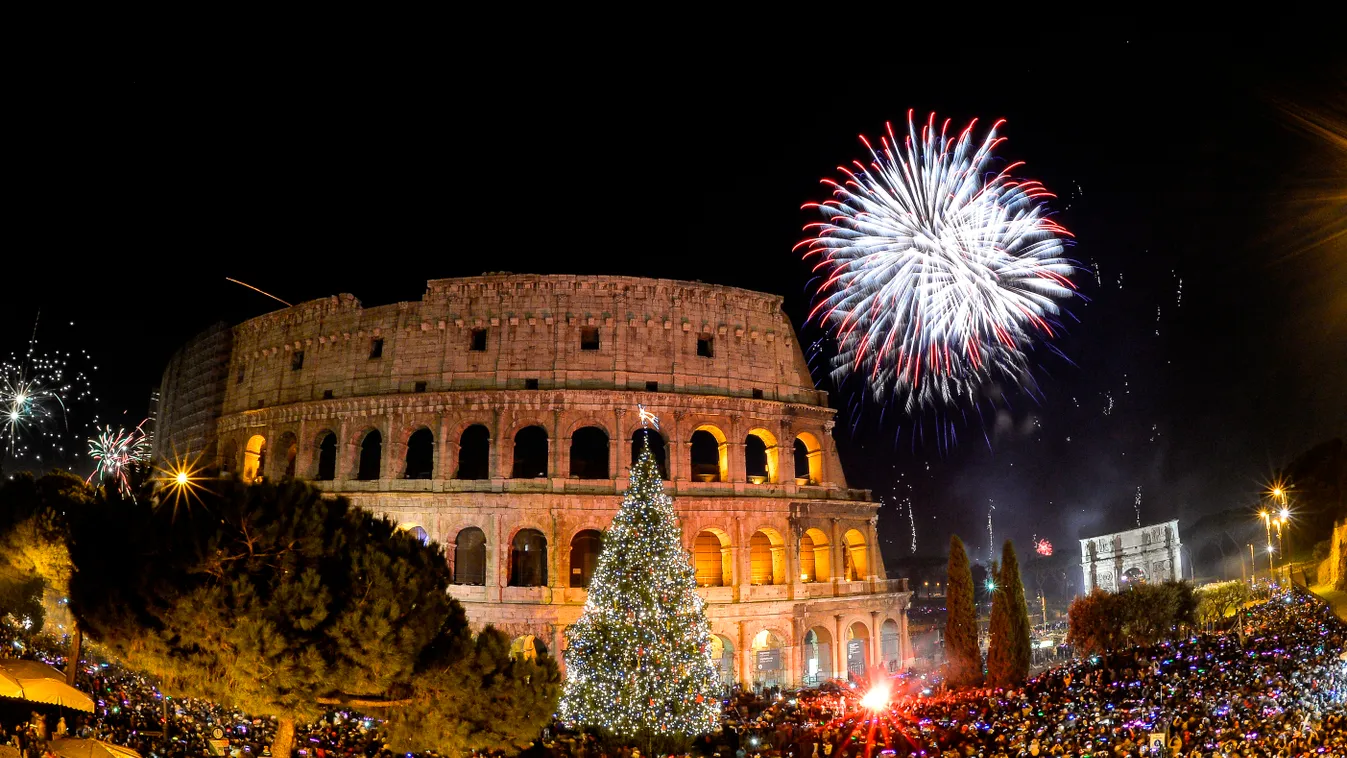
[[498, 416], [1144, 554]]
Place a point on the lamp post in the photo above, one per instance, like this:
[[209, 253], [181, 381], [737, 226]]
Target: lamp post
[[1267, 525]]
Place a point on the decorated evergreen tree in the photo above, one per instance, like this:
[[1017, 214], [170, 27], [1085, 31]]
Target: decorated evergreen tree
[[638, 662], [963, 659], [1008, 654]]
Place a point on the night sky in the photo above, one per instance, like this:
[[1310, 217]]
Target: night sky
[[147, 187]]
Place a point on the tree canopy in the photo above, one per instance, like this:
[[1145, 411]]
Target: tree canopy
[[278, 601], [963, 658], [1008, 655], [34, 515]]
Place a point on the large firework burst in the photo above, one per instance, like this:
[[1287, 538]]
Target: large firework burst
[[116, 452], [938, 271]]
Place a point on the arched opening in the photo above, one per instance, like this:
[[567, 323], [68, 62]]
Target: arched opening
[[858, 649], [290, 446], [470, 557], [254, 456], [768, 663], [709, 453], [711, 558], [808, 460], [767, 558], [474, 453], [722, 655], [858, 563], [815, 556], [371, 456], [657, 450], [420, 455], [527, 648], [1132, 577], [585, 547], [528, 559], [760, 457], [589, 453], [889, 645], [530, 453], [818, 656], [327, 457], [416, 532], [228, 457]]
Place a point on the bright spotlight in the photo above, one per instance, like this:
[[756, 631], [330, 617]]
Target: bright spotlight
[[181, 478], [877, 699]]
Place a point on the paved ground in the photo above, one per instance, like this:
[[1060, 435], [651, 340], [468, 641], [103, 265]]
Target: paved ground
[[1335, 598]]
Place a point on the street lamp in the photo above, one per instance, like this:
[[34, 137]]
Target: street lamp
[[1267, 525]]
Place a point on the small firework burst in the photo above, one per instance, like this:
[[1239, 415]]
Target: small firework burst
[[116, 452], [41, 396], [1043, 548]]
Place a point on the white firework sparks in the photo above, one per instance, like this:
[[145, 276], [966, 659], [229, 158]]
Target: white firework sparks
[[939, 271]]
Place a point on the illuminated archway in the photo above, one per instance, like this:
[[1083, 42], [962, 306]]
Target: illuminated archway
[[818, 656], [254, 455], [769, 659], [709, 454], [815, 556], [858, 649], [808, 453], [767, 557], [857, 555], [760, 457], [890, 645], [711, 558]]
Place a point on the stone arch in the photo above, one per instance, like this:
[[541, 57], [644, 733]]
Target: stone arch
[[768, 663], [325, 453], [722, 655], [420, 459], [416, 531], [585, 548], [817, 660], [474, 452], [369, 459], [858, 648], [712, 558], [587, 421], [589, 453], [470, 556], [528, 558], [890, 645], [254, 458], [709, 454], [289, 454], [229, 453], [808, 454], [761, 457], [527, 647], [530, 459], [658, 448], [815, 556], [1132, 577], [767, 557], [857, 555]]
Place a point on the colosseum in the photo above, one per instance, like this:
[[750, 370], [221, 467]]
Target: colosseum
[[498, 416]]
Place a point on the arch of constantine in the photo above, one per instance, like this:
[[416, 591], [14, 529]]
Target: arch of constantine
[[497, 416]]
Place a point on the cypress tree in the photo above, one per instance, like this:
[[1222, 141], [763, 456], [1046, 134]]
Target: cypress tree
[[1008, 655], [963, 664]]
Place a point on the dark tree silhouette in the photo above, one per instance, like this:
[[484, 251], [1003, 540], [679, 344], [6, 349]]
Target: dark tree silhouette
[[963, 659], [1008, 655]]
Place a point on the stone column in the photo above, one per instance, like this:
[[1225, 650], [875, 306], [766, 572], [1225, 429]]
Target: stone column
[[559, 456], [825, 450], [743, 662], [621, 457], [874, 565], [876, 642], [675, 450], [785, 455], [446, 458], [305, 461], [502, 446], [905, 656], [734, 448], [838, 561], [393, 458], [558, 640], [347, 451], [839, 650]]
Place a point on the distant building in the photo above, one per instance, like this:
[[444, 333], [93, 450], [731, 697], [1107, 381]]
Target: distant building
[[1144, 554]]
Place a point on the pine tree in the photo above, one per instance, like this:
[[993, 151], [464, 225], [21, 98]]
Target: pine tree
[[638, 662], [963, 659], [1008, 654], [280, 602]]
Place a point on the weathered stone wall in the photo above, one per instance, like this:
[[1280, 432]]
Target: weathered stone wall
[[1153, 550], [191, 396], [1333, 571], [419, 369]]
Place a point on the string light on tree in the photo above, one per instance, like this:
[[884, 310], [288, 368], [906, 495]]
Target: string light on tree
[[638, 662]]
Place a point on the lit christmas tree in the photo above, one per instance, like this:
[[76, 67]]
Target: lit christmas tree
[[638, 662]]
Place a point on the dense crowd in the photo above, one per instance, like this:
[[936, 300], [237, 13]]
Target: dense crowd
[[1274, 686]]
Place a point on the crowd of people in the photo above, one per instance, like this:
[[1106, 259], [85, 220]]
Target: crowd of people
[[1273, 686]]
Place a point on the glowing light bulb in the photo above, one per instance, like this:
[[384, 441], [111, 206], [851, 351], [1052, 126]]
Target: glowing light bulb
[[181, 478]]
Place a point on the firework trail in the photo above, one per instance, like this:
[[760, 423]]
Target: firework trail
[[1138, 505], [938, 271], [913, 521], [991, 537], [116, 453], [37, 392]]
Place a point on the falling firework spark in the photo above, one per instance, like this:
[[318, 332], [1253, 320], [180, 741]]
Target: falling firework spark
[[37, 392], [116, 453], [938, 271], [991, 537], [913, 521], [1138, 505]]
